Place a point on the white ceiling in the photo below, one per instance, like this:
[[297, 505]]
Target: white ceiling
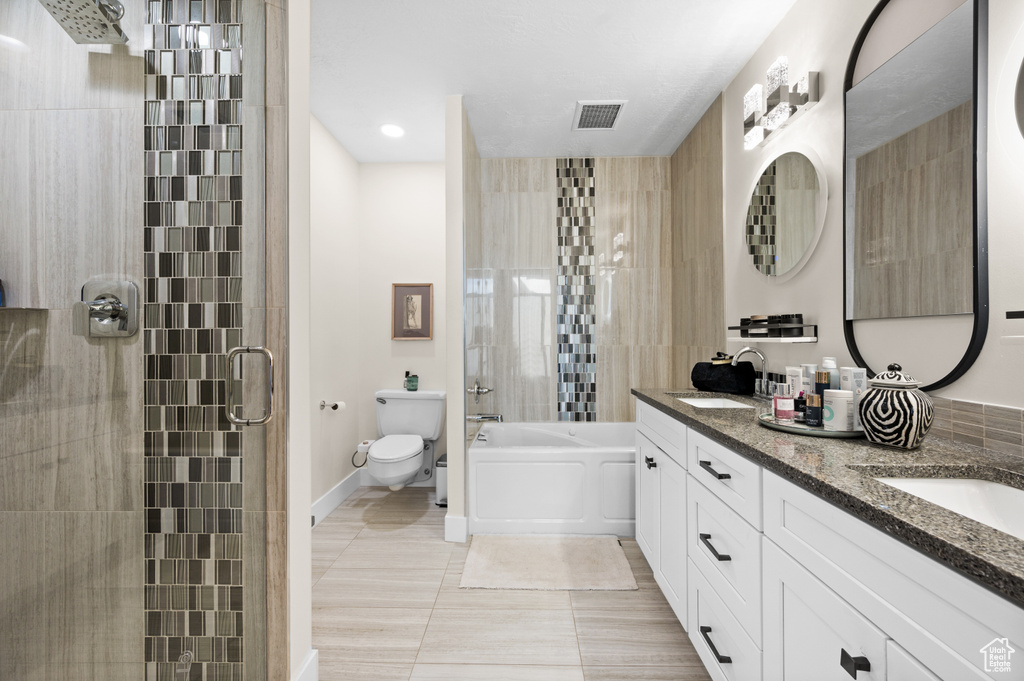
[[521, 65]]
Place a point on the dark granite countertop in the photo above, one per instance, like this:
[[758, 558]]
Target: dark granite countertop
[[842, 471]]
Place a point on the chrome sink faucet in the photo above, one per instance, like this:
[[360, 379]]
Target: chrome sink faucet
[[760, 385]]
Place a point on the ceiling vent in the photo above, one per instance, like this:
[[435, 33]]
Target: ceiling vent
[[597, 115]]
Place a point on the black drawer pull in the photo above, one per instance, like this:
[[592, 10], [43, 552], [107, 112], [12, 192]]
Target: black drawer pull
[[722, 659], [851, 664], [705, 539], [651, 463], [706, 465]]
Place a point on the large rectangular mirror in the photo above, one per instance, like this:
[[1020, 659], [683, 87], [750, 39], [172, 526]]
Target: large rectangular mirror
[[909, 188]]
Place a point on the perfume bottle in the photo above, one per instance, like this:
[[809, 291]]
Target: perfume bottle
[[782, 405]]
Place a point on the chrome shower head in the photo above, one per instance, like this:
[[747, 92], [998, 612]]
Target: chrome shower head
[[89, 21]]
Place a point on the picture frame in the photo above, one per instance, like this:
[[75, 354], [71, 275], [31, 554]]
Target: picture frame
[[412, 312]]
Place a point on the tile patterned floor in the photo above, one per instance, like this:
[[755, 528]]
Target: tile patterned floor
[[387, 607]]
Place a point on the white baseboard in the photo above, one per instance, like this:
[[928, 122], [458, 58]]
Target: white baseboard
[[456, 528], [326, 504], [310, 669]]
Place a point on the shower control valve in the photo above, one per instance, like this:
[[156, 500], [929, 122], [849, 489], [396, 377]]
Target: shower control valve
[[108, 309]]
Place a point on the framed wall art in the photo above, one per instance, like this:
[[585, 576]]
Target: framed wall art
[[412, 312]]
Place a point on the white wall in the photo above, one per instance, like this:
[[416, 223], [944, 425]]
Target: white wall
[[301, 656], [335, 331], [819, 36], [401, 218], [457, 134]]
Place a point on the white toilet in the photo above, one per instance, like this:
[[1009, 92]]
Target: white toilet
[[409, 423]]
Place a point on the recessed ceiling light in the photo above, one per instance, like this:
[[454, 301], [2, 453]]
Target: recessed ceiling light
[[392, 130]]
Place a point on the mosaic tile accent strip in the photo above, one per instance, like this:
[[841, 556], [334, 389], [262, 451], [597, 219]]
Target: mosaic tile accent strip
[[575, 311], [762, 215], [194, 573]]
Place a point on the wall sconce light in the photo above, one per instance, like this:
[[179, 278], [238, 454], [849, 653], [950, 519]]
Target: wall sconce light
[[762, 116]]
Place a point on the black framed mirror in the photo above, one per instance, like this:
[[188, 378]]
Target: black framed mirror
[[915, 246]]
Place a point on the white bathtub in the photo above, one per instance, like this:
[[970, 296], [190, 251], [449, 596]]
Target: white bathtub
[[552, 478]]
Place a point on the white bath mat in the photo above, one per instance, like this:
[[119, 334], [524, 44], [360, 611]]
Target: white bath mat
[[547, 563]]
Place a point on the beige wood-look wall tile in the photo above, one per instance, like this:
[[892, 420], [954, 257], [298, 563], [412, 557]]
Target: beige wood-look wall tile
[[614, 380], [71, 592], [277, 206], [652, 307], [537, 234], [651, 365], [277, 595], [254, 57], [476, 672], [377, 588], [500, 217], [623, 637], [277, 430], [276, 75], [254, 596], [21, 249], [541, 637], [254, 209], [389, 635], [616, 301], [89, 219]]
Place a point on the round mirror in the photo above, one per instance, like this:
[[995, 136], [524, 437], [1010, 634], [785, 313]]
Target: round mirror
[[1019, 99], [785, 214]]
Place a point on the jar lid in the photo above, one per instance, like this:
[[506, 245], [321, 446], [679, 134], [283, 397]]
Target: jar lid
[[894, 377]]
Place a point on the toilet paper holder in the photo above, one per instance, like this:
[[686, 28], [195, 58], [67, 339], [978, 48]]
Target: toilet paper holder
[[336, 406]]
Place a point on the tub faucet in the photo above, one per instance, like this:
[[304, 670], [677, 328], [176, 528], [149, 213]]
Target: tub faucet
[[760, 385], [476, 418]]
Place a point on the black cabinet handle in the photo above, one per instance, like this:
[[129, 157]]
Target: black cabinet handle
[[851, 664], [705, 539], [722, 659], [651, 463], [706, 465]]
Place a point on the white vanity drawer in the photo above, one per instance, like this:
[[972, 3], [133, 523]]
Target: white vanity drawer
[[938, 616], [724, 647], [735, 573], [662, 430], [730, 477]]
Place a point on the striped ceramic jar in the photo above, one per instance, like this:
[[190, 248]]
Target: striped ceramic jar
[[893, 411]]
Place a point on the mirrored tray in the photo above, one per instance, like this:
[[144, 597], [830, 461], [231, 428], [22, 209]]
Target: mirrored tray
[[768, 421]]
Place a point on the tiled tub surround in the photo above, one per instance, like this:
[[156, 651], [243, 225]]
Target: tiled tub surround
[[198, 565], [828, 468], [512, 255]]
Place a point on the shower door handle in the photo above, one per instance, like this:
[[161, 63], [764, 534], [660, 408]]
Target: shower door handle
[[229, 401]]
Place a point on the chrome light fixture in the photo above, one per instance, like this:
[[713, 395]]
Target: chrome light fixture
[[764, 114]]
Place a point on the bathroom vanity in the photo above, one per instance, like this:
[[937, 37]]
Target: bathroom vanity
[[785, 558]]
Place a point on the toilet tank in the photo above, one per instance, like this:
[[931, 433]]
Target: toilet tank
[[404, 412]]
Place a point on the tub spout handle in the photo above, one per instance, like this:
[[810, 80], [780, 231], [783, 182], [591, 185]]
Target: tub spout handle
[[477, 418]]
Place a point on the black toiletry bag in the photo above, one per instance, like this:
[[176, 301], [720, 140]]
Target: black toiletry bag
[[720, 376]]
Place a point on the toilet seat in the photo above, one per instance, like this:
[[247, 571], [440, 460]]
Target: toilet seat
[[395, 448]]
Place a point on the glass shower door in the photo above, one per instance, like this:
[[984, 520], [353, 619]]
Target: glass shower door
[[132, 510]]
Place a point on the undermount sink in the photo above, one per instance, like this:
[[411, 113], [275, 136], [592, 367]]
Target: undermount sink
[[713, 403], [991, 503]]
